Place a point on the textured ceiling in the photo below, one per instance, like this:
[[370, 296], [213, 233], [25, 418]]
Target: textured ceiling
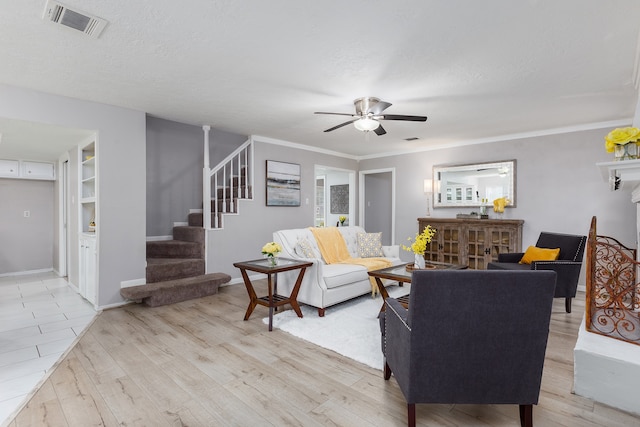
[[479, 71]]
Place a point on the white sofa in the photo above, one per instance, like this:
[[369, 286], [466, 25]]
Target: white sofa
[[326, 284]]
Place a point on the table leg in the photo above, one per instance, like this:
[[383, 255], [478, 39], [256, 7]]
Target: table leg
[[253, 298], [270, 302], [294, 293], [383, 292], [275, 287]]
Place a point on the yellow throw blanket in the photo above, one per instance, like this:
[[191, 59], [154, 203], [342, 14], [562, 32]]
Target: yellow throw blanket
[[334, 250]]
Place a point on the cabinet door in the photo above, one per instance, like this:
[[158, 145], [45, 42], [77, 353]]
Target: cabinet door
[[446, 244], [37, 170], [477, 248], [449, 241], [88, 258], [9, 168], [502, 241]]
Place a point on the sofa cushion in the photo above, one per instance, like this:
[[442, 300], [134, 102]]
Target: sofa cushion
[[370, 245], [539, 254], [336, 275], [304, 249]]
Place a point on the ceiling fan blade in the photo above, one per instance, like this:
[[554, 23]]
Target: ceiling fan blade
[[401, 117], [380, 130], [379, 107], [335, 114], [341, 125]]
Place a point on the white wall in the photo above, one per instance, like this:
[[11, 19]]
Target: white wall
[[27, 242], [559, 187], [122, 192]]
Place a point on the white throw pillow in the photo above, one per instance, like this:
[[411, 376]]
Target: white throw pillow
[[303, 249], [370, 245]]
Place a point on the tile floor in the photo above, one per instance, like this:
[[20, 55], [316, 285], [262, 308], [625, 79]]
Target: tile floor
[[40, 317]]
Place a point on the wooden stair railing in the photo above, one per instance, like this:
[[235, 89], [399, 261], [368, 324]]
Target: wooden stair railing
[[613, 292]]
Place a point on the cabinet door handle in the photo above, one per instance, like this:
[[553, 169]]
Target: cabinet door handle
[[487, 251]]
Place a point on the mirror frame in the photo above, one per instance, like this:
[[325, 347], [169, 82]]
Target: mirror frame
[[438, 195]]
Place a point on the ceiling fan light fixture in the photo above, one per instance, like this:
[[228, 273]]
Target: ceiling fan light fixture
[[366, 124]]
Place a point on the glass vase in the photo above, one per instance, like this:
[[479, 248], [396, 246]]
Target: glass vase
[[628, 151], [418, 261], [273, 261]]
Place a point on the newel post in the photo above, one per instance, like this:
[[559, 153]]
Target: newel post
[[206, 182]]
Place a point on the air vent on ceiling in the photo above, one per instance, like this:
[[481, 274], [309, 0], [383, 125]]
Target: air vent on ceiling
[[60, 14]]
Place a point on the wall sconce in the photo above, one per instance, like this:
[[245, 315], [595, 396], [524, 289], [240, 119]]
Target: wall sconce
[[428, 190]]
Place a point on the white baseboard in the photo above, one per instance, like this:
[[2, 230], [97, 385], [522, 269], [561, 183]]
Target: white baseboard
[[158, 238], [134, 282], [24, 273]]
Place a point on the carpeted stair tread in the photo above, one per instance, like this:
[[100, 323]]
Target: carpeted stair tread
[[172, 291], [174, 249], [161, 269], [189, 233]]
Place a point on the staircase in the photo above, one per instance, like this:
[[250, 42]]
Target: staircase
[[225, 202], [231, 181], [178, 258], [176, 270]]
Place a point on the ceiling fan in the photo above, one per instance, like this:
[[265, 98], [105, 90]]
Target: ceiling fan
[[368, 115]]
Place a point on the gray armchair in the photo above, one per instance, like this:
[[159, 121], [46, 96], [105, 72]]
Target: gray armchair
[[470, 337], [567, 266]]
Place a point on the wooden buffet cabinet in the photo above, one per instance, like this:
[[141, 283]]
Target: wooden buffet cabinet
[[472, 242]]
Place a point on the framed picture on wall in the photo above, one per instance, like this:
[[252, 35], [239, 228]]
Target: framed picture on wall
[[339, 198], [283, 184]]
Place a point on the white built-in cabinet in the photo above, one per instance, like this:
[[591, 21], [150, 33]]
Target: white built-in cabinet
[[24, 169], [88, 286], [88, 216]]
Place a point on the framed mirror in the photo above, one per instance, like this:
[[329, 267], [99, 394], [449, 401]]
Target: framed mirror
[[475, 184]]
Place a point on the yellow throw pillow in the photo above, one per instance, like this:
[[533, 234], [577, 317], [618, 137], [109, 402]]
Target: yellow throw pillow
[[539, 254]]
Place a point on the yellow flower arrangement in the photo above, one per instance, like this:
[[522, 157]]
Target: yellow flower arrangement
[[621, 136], [499, 204], [271, 249], [342, 219], [419, 246]]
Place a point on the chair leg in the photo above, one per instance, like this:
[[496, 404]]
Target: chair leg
[[411, 415], [387, 371], [526, 415], [567, 304]]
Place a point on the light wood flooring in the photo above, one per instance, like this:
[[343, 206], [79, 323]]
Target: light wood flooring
[[197, 363]]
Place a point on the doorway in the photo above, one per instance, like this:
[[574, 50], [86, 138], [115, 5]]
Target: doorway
[[378, 203], [334, 196]]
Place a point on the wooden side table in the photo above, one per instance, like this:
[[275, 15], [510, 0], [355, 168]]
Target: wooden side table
[[272, 300]]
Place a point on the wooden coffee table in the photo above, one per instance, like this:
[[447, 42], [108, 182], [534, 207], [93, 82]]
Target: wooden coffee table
[[273, 300], [400, 274]]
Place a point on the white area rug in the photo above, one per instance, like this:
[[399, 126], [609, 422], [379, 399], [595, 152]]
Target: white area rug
[[351, 329]]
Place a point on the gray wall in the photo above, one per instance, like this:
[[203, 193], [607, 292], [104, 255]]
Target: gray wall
[[27, 243], [559, 187], [122, 176], [174, 169], [244, 235]]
